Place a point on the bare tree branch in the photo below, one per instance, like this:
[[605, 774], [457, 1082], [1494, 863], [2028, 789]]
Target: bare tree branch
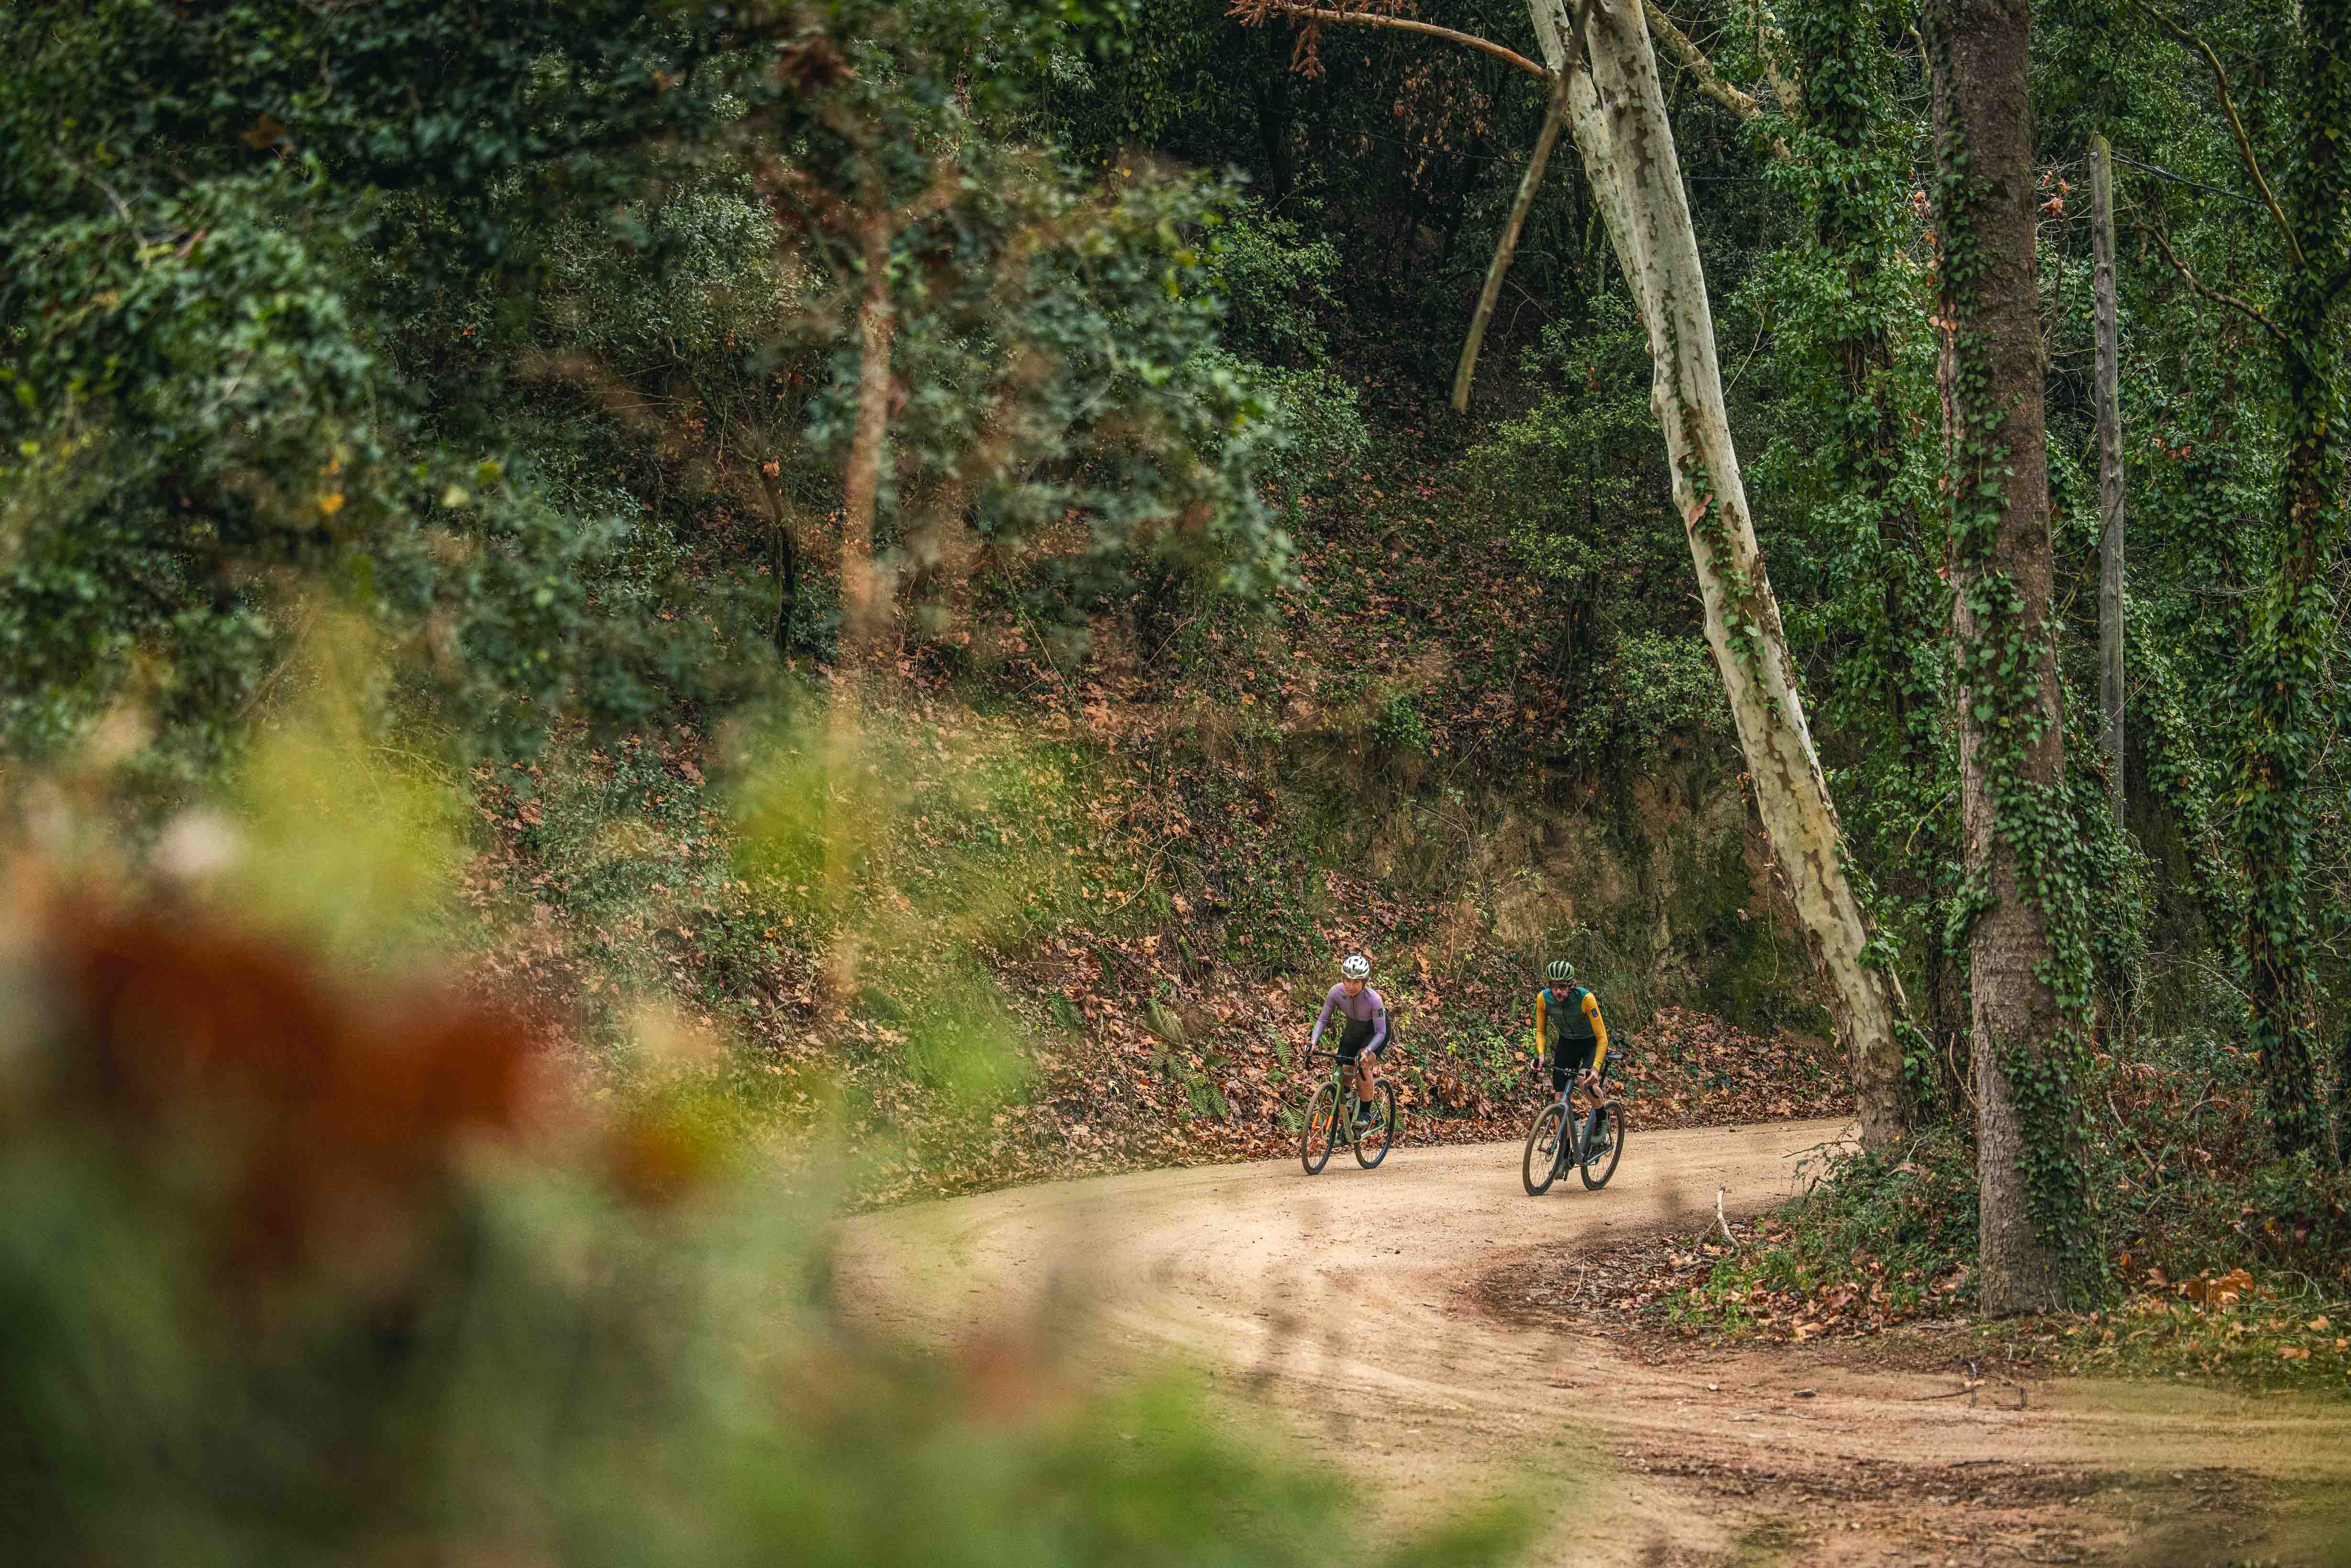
[[1552, 118], [1250, 13], [1709, 81], [2188, 40], [1739, 101], [1767, 38], [2246, 308]]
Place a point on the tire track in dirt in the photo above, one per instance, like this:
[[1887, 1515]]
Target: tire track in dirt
[[1346, 1306]]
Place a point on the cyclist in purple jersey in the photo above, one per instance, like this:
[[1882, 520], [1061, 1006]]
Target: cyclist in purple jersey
[[1366, 1033]]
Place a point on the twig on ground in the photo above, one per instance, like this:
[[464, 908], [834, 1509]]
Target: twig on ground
[[1718, 1220], [1968, 1387], [2314, 1294]]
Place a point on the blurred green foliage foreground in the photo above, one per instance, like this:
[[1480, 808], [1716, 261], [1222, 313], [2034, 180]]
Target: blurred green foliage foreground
[[298, 1269]]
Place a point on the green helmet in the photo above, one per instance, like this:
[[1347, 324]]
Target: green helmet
[[1561, 971]]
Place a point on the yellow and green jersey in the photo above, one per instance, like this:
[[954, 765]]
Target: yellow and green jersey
[[1564, 1024]]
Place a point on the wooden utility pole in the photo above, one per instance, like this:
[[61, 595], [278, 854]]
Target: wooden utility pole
[[2110, 467]]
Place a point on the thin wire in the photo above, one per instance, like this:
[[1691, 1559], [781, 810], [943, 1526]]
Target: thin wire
[[2184, 180]]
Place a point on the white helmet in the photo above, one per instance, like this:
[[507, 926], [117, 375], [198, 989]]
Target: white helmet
[[1356, 967]]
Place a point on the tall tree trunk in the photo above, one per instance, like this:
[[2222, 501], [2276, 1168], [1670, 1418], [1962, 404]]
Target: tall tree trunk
[[2110, 467], [2032, 1183], [1617, 112], [2283, 666], [876, 328], [862, 604]]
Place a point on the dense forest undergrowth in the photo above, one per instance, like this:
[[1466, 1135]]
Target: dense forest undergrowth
[[914, 566], [1198, 833]]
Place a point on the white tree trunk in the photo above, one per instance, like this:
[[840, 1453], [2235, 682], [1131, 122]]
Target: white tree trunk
[[1617, 113]]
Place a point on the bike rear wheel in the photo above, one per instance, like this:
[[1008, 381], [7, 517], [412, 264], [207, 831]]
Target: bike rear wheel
[[1539, 1166], [1319, 1135], [1601, 1154], [1373, 1140]]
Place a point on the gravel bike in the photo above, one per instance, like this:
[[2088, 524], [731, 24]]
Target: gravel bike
[[1559, 1139], [1336, 1100]]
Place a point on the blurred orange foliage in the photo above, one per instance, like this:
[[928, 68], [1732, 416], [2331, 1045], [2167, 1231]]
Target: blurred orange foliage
[[310, 1108]]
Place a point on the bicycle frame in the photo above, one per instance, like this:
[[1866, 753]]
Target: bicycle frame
[[1572, 1123], [1345, 1079], [1346, 1106]]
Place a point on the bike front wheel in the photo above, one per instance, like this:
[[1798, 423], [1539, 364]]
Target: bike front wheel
[[1601, 1153], [1321, 1133], [1540, 1168], [1373, 1138]]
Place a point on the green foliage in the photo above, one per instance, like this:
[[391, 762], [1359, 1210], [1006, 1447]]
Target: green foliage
[[1274, 278], [209, 420], [1313, 419], [1270, 280], [2277, 679], [1579, 471], [1666, 686], [597, 1349], [399, 337], [1580, 484], [1898, 1225], [1853, 482], [2188, 1191], [1398, 725]]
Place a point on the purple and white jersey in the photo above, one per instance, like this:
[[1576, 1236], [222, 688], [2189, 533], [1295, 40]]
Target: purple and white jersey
[[1363, 1007]]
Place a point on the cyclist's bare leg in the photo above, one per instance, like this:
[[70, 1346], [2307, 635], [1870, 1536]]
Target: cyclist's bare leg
[[1589, 1084]]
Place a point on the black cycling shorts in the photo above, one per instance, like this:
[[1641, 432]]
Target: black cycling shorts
[[1357, 1035], [1572, 1058]]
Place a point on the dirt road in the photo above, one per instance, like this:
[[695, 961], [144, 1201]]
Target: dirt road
[[1345, 1305]]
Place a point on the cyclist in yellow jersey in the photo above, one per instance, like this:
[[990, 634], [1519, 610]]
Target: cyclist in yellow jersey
[[1570, 1031]]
